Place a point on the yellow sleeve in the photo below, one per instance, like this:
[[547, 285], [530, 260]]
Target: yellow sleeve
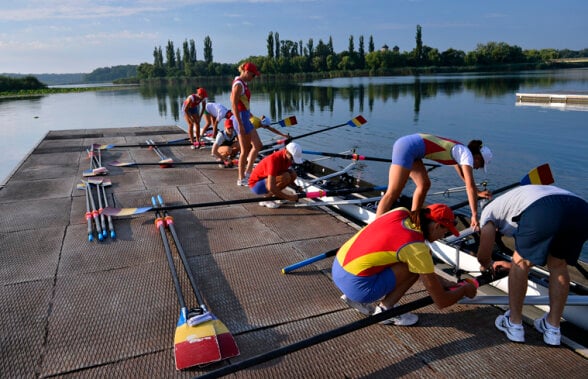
[[418, 258]]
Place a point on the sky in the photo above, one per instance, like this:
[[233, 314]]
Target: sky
[[78, 36]]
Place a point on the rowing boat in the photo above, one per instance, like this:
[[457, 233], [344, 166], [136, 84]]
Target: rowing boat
[[457, 252]]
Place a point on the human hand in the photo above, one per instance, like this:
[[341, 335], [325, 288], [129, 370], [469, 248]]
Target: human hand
[[485, 194]]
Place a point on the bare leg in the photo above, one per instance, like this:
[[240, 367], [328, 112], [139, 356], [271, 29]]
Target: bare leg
[[559, 286], [419, 176], [245, 146], [255, 147], [517, 286], [397, 178], [404, 280]]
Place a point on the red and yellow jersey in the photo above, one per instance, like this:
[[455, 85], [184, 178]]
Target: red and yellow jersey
[[390, 239], [438, 149], [191, 101], [245, 96]]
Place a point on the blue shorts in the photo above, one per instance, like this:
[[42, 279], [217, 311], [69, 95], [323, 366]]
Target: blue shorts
[[246, 122], [553, 225], [259, 188], [363, 289], [408, 149]]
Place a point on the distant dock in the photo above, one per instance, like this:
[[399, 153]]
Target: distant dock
[[565, 98]]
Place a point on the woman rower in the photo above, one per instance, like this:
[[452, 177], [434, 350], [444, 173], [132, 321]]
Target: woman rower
[[407, 161]]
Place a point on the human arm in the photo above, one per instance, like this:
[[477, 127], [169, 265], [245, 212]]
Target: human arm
[[466, 172], [446, 297], [274, 189], [274, 130], [235, 98]]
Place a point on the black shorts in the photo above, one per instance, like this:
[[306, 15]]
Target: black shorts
[[555, 225]]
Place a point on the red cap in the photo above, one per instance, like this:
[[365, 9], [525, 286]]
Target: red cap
[[202, 93], [228, 123], [443, 215], [251, 68]]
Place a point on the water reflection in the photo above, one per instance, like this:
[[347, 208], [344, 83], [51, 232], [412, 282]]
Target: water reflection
[[286, 98]]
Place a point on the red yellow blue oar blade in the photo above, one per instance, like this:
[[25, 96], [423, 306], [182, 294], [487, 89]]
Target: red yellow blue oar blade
[[120, 212], [539, 175], [290, 121], [357, 121], [195, 345]]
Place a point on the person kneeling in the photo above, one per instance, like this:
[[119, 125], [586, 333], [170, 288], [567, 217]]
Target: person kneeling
[[384, 259], [274, 173]]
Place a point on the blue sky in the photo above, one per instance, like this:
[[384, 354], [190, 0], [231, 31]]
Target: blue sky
[[70, 36]]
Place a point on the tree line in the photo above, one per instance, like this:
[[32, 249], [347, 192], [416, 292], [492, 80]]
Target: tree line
[[291, 57]]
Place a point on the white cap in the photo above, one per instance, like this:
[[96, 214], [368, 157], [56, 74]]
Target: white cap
[[221, 113], [487, 156], [266, 121], [296, 151]]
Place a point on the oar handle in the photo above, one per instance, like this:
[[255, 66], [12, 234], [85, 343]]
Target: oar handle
[[306, 262]]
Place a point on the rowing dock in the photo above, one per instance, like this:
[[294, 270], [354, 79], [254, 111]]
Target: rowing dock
[[74, 308]]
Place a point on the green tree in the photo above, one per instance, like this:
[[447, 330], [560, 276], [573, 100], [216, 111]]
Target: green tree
[[270, 45], [277, 43], [371, 46], [170, 55], [207, 50], [418, 51]]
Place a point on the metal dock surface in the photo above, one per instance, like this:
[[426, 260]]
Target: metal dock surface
[[73, 308]]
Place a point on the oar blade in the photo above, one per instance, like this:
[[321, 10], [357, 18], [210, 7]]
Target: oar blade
[[120, 212], [226, 341], [121, 164], [195, 345], [539, 175], [357, 121], [290, 121]]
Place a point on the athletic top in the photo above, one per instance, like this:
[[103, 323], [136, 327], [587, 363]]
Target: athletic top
[[191, 102], [245, 95], [223, 140], [446, 151], [503, 208], [390, 239], [274, 165]]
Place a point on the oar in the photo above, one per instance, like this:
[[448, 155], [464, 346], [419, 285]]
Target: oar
[[193, 345], [100, 209], [94, 169], [163, 160], [357, 121], [322, 337], [167, 164], [196, 316], [338, 202], [356, 157], [309, 195], [89, 215], [110, 223], [288, 121], [538, 175], [95, 213]]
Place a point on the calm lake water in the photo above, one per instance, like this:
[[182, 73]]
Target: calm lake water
[[462, 107]]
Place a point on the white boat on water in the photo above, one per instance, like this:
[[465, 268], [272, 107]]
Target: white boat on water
[[450, 250]]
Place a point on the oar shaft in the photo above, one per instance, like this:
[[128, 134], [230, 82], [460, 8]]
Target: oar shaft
[[182, 254], [160, 224], [311, 260]]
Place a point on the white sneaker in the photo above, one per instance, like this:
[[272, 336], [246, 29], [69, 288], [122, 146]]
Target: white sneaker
[[551, 334], [514, 332], [242, 182], [269, 204], [363, 308], [405, 319]]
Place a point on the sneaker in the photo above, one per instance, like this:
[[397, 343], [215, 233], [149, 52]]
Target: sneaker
[[514, 332], [242, 182], [405, 319], [269, 204], [363, 308], [551, 334]]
